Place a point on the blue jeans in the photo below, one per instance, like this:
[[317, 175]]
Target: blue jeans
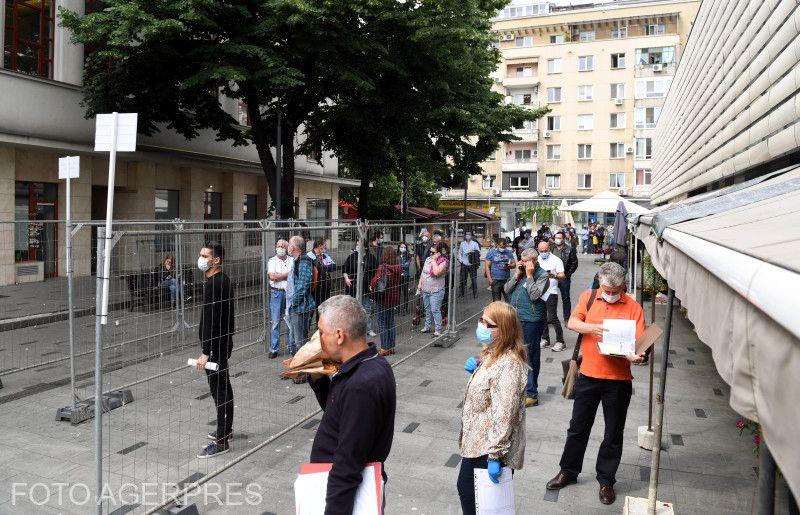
[[172, 284], [300, 325], [386, 327], [532, 334], [369, 307], [433, 309], [563, 287], [277, 312]]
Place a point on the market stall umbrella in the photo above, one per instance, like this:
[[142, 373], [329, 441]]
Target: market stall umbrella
[[563, 216], [621, 225], [607, 202]]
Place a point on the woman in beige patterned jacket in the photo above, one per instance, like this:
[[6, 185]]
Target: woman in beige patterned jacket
[[493, 418]]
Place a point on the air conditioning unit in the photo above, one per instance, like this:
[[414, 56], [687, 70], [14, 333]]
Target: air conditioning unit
[[658, 67], [546, 134], [545, 192], [623, 192], [629, 150], [473, 178], [507, 37], [619, 101]]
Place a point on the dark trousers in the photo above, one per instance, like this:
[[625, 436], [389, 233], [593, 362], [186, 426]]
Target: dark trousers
[[386, 326], [220, 385], [589, 393], [466, 482], [566, 302], [552, 319], [404, 286], [532, 334], [497, 289], [471, 272]]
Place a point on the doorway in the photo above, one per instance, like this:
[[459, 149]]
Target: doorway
[[36, 232]]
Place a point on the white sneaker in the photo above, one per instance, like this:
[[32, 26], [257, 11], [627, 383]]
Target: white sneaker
[[372, 333], [558, 347], [425, 330], [544, 344]]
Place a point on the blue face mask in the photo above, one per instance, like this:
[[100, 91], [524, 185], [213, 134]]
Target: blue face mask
[[544, 255], [484, 334]]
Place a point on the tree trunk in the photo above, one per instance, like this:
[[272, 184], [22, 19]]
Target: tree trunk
[[260, 139], [288, 130]]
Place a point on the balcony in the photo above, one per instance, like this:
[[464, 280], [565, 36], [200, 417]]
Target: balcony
[[526, 135], [519, 81], [518, 194], [521, 165]]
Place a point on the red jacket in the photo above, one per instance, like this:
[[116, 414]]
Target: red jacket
[[391, 297]]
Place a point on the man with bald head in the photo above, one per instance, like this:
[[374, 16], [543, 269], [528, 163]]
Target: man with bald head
[[358, 402], [555, 270]]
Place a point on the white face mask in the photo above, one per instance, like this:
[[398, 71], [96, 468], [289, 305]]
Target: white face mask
[[202, 264], [611, 299], [559, 241], [425, 239], [468, 237], [280, 251]]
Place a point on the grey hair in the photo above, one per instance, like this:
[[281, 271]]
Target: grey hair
[[345, 312], [611, 275], [281, 241], [530, 252], [298, 242]]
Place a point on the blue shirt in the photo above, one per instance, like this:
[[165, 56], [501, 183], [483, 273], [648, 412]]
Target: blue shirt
[[303, 275], [498, 262]]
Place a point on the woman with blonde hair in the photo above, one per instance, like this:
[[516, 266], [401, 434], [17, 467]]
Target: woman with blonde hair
[[493, 417]]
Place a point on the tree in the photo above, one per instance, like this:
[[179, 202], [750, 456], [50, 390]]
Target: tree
[[170, 61]]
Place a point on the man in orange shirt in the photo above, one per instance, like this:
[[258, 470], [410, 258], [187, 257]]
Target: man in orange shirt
[[605, 379]]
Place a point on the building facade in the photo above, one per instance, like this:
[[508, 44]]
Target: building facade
[[168, 177], [603, 69]]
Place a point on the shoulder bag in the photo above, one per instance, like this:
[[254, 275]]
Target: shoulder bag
[[571, 367]]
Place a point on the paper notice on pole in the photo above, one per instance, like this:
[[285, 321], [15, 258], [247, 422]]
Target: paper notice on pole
[[619, 337], [491, 498], [126, 132], [69, 167], [310, 491]]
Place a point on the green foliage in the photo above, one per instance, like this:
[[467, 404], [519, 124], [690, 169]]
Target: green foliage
[[653, 282], [542, 214]]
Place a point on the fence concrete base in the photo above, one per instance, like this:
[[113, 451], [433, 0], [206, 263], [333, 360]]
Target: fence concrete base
[[84, 410], [180, 510]]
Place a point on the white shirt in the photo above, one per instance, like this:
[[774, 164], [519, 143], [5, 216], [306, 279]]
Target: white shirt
[[276, 265], [465, 248], [555, 265]]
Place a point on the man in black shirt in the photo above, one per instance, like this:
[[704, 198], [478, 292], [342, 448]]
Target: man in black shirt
[[358, 402], [216, 337]]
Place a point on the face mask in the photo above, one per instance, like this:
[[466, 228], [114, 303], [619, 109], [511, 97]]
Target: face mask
[[468, 237], [380, 240], [484, 334], [403, 250], [611, 298], [202, 264], [425, 239], [437, 239], [544, 255], [280, 251], [559, 241]]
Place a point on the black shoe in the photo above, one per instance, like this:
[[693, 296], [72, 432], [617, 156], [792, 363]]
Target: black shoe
[[607, 494], [560, 481], [273, 355], [213, 449], [213, 435]]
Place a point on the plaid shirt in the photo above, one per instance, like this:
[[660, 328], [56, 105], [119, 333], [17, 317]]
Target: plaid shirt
[[302, 299]]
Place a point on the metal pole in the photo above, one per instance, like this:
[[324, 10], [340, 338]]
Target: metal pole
[[70, 305], [265, 293], [466, 185], [656, 457], [279, 166], [112, 168], [652, 352], [361, 252], [98, 377], [451, 310], [766, 480]]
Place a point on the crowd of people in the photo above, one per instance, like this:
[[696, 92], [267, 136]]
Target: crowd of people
[[526, 278]]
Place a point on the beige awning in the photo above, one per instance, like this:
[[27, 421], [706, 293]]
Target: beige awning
[[737, 273]]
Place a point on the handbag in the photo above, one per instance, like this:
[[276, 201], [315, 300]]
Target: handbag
[[571, 367], [417, 319]]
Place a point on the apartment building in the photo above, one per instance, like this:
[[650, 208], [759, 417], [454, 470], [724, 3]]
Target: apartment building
[[41, 119], [604, 69]]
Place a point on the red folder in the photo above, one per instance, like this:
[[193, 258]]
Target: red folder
[[312, 468]]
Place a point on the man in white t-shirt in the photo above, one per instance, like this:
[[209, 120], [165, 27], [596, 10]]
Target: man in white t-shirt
[[555, 269], [469, 256], [279, 267]]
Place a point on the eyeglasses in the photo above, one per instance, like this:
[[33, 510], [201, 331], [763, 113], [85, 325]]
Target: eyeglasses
[[487, 323]]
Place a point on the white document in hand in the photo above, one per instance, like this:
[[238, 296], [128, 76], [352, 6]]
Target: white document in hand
[[310, 491], [491, 498], [619, 337]]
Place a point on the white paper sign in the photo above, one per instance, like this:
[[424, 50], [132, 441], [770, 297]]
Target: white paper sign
[[126, 132], [491, 498], [619, 337], [310, 491], [69, 167]]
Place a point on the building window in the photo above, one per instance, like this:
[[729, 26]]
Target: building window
[[523, 41], [656, 55], [34, 238], [524, 71], [553, 123], [653, 87], [584, 151], [647, 117], [553, 152], [644, 148], [553, 95], [492, 156], [617, 151], [616, 180], [524, 155], [585, 63], [525, 10], [585, 93], [654, 29], [586, 35], [556, 39], [167, 204], [617, 121], [495, 44], [618, 91], [28, 41], [643, 176], [523, 99], [528, 125], [518, 183], [488, 182], [250, 212], [584, 181], [552, 181], [555, 65], [243, 116], [619, 33], [617, 61], [585, 122]]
